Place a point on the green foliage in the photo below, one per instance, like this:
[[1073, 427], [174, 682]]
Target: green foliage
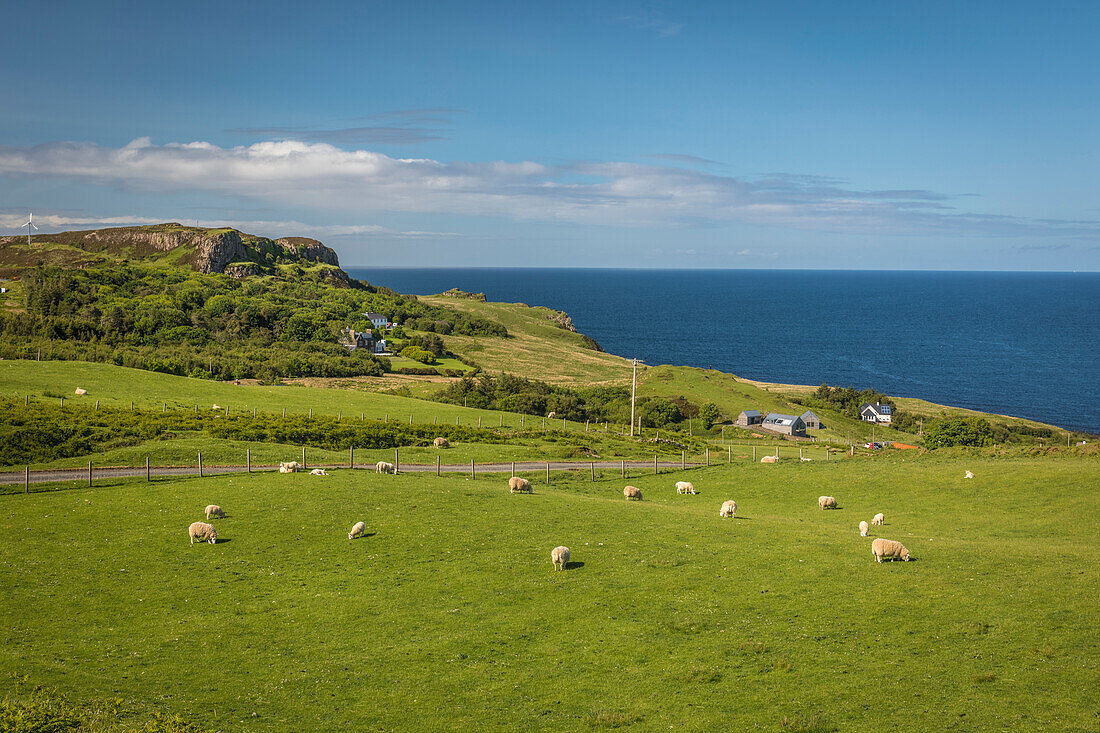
[[658, 412], [709, 414], [182, 322], [418, 354], [968, 431]]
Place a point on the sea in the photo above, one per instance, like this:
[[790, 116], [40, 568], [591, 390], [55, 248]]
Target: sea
[[1012, 343]]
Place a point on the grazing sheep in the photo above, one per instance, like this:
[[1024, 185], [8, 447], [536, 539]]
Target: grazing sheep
[[969, 475], [517, 485], [289, 467], [216, 406], [881, 548], [560, 557], [214, 510], [357, 530], [863, 527], [202, 532], [441, 443], [770, 459], [685, 487], [318, 472], [632, 492], [81, 391], [878, 519], [729, 509], [383, 467], [826, 502], [551, 414]]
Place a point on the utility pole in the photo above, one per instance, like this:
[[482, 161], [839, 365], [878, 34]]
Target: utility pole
[[633, 392]]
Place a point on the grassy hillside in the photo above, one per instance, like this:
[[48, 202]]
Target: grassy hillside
[[447, 616]]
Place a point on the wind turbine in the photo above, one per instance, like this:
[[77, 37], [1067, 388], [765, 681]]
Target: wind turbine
[[29, 225]]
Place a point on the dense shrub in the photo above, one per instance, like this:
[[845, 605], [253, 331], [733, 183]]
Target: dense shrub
[[418, 354], [971, 431]]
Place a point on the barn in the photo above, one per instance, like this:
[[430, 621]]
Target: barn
[[785, 424], [749, 417]]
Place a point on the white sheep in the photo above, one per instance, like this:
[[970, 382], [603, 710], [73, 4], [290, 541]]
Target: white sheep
[[441, 443], [826, 502], [770, 459], [878, 519], [969, 475], [214, 510], [729, 509], [560, 557], [632, 492], [357, 530], [685, 487], [863, 527], [519, 485], [318, 472], [383, 467], [81, 391], [551, 414], [881, 548], [202, 532], [216, 406], [289, 467]]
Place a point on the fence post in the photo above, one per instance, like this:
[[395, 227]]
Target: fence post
[[410, 419], [586, 426], [623, 468], [147, 468], [248, 460], [387, 418], [502, 419], [754, 454], [97, 404], [437, 464], [351, 458], [303, 457], [592, 465], [164, 407], [548, 472], [708, 456], [563, 425], [27, 481], [777, 451], [473, 469], [396, 460], [479, 422], [435, 419], [253, 413], [683, 460], [522, 421], [654, 464], [132, 406], [457, 417], [800, 454], [730, 449], [339, 415], [200, 464], [63, 405], [196, 408], [227, 410], [544, 424], [311, 413], [826, 453], [27, 402]]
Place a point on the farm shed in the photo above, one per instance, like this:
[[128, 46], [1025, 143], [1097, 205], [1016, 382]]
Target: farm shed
[[785, 424], [749, 417]]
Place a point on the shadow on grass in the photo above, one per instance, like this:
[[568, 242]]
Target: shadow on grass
[[574, 565], [222, 540]]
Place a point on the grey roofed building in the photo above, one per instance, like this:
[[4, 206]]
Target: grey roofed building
[[786, 424], [811, 420], [749, 417], [875, 412]]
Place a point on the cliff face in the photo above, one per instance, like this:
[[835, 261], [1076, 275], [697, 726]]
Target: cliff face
[[205, 250]]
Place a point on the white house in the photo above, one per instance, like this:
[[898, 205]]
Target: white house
[[377, 319], [869, 412]]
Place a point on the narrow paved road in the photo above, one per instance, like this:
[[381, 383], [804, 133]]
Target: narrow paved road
[[106, 472]]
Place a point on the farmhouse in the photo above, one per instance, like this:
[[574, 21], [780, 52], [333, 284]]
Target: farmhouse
[[377, 319], [353, 340], [812, 421], [785, 424], [876, 412], [749, 417]]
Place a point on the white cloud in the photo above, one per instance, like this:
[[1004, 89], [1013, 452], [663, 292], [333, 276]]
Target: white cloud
[[362, 182]]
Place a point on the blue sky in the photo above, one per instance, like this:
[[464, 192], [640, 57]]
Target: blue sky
[[637, 134]]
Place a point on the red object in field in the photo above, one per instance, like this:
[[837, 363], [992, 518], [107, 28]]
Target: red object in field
[[903, 446]]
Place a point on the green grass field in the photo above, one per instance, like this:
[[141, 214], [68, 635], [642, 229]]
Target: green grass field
[[448, 616]]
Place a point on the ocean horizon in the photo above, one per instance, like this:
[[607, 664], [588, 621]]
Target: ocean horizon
[[1013, 343]]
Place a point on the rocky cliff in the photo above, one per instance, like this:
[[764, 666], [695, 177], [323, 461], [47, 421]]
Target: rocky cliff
[[205, 250]]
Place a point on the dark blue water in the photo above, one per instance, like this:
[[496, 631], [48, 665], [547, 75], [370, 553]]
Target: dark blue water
[[1025, 344]]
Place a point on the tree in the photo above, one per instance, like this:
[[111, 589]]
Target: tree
[[972, 431], [709, 414]]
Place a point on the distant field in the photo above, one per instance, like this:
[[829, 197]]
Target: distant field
[[448, 616]]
